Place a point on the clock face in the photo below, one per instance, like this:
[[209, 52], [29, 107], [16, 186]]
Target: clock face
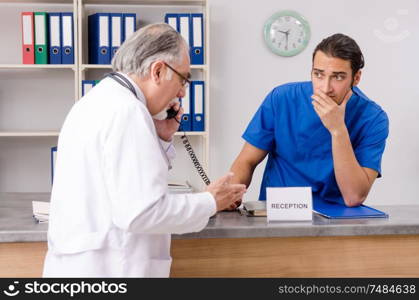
[[287, 33]]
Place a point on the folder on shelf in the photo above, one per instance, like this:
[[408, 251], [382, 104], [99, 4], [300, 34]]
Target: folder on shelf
[[184, 26], [99, 52], [172, 20], [53, 160], [28, 56], [41, 38], [67, 33], [54, 41], [197, 107], [197, 39], [186, 122], [333, 210], [87, 85], [116, 32], [129, 25]]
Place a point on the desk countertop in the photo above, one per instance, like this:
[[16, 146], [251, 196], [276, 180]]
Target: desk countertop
[[18, 225]]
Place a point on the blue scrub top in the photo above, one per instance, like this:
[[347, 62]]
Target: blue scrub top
[[299, 146]]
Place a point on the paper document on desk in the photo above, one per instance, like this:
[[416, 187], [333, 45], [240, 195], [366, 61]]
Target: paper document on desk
[[180, 188], [40, 211], [254, 208]]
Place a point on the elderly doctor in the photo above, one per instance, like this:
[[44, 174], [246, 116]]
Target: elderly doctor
[[111, 214]]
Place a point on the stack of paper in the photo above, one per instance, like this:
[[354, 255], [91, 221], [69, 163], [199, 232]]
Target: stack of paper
[[180, 188], [40, 211]]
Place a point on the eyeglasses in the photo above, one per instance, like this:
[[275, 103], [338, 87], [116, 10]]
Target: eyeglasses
[[185, 81]]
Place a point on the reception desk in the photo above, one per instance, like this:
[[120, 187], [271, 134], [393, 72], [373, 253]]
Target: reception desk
[[233, 245]]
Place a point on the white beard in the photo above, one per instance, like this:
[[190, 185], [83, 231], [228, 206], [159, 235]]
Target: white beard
[[163, 114]]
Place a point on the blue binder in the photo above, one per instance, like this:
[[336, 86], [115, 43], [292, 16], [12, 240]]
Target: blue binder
[[54, 38], [99, 39], [333, 210], [67, 38], [129, 22], [116, 32], [87, 85], [197, 39], [198, 105], [186, 121], [53, 158], [184, 25], [172, 20]]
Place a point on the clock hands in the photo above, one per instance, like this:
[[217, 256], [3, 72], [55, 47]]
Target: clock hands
[[286, 36]]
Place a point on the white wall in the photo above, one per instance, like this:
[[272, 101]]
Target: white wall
[[243, 71]]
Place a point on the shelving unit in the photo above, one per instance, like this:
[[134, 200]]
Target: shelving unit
[[34, 99], [17, 66], [152, 12]]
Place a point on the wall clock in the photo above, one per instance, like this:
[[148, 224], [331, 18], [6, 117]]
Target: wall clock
[[287, 33]]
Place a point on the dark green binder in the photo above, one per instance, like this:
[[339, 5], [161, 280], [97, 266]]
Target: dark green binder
[[41, 38]]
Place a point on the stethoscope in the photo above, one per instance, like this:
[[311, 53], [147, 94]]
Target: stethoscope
[[171, 113], [125, 83], [122, 81]]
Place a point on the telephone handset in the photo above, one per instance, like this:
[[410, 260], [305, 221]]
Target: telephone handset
[[171, 113]]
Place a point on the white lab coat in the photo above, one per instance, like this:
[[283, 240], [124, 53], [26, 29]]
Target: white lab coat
[[111, 214]]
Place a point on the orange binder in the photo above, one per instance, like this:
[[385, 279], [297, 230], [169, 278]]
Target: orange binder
[[28, 53]]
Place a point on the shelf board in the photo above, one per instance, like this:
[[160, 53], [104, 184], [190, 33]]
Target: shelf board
[[91, 66], [37, 1], [147, 2], [198, 67], [35, 66], [29, 133], [190, 133], [56, 133]]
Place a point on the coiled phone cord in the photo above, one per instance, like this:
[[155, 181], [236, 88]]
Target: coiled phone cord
[[193, 157]]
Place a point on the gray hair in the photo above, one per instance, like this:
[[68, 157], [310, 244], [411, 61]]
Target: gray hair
[[145, 46]]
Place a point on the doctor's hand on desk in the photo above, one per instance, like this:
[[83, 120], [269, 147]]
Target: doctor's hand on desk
[[168, 127], [226, 193]]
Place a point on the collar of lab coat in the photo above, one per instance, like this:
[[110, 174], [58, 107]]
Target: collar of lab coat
[[138, 91], [141, 97]]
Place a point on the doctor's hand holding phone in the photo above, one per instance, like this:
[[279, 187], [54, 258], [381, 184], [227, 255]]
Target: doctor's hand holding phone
[[168, 124]]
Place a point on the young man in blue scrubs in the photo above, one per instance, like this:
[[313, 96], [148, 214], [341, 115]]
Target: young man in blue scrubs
[[325, 133]]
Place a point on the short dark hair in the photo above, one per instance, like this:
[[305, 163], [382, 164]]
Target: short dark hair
[[344, 47]]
